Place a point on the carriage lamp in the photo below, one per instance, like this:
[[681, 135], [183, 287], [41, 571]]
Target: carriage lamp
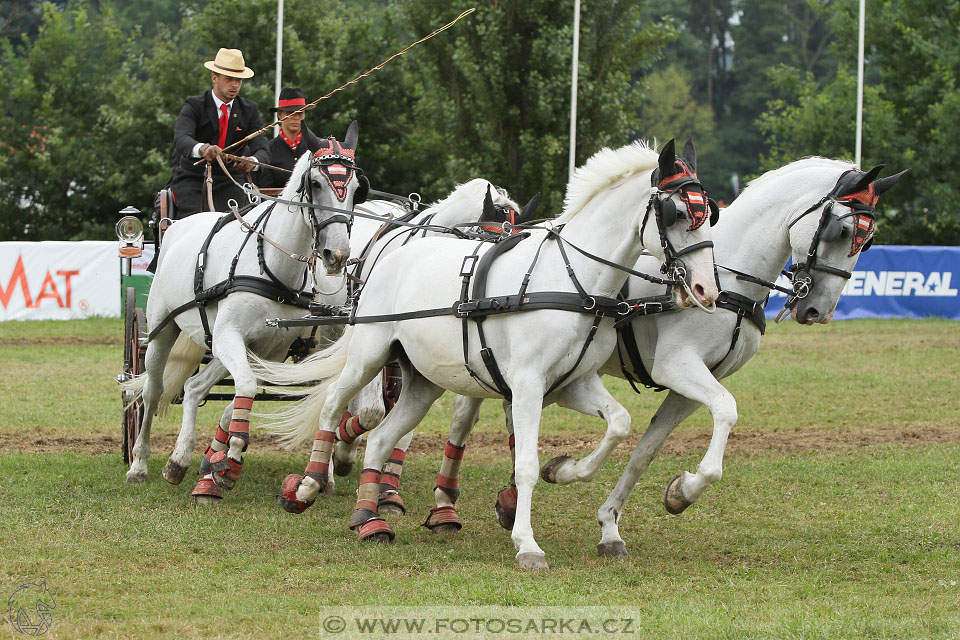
[[130, 233]]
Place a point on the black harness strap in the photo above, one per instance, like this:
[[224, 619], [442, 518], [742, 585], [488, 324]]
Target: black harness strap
[[272, 288]]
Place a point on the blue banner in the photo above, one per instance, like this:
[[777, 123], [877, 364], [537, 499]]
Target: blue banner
[[896, 281]]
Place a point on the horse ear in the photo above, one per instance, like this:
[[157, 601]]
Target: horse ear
[[667, 159], [489, 211], [867, 178], [689, 155], [350, 140], [883, 185], [530, 209]]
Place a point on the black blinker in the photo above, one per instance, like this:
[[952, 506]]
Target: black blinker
[[832, 228], [668, 212], [714, 211]]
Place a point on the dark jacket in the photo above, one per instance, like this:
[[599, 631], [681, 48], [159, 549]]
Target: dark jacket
[[281, 155], [199, 121]]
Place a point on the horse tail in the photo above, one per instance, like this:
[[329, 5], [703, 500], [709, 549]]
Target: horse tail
[[181, 363], [297, 423]]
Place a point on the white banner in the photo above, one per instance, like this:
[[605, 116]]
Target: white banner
[[59, 280]]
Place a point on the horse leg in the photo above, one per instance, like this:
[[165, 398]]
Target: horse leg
[[674, 410], [195, 389], [506, 506], [223, 461], [416, 398], [443, 517], [389, 501], [298, 492], [527, 409], [155, 361], [363, 413], [699, 385], [588, 396]]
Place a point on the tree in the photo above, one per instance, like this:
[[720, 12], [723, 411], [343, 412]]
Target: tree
[[911, 108], [496, 90]]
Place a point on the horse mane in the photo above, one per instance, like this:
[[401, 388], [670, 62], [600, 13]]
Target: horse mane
[[809, 162], [471, 194], [293, 182], [604, 169]]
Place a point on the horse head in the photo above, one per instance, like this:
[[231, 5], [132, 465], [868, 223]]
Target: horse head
[[334, 182], [500, 218], [827, 240], [681, 209]]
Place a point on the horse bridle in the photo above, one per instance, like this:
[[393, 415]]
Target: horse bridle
[[666, 215], [829, 229]]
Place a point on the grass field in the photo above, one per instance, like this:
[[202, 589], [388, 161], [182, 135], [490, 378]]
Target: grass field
[[836, 517]]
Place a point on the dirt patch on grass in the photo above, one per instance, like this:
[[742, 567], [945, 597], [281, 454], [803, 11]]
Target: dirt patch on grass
[[486, 446], [73, 341]]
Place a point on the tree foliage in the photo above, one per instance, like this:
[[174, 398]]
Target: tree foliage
[[910, 115], [92, 89]]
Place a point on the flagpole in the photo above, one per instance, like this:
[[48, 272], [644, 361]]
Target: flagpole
[[276, 89], [573, 88], [857, 153]]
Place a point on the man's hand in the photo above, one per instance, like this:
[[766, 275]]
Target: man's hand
[[210, 152], [245, 164]]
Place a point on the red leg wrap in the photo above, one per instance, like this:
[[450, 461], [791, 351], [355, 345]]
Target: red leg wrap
[[206, 487], [226, 471], [375, 527], [443, 516], [506, 507], [288, 495], [350, 428]]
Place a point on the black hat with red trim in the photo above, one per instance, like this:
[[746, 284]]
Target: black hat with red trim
[[291, 99]]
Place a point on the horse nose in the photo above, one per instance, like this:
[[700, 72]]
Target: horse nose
[[810, 315], [333, 260]]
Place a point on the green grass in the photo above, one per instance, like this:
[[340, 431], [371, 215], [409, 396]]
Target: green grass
[[846, 542]]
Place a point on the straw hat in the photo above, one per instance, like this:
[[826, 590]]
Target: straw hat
[[229, 62]]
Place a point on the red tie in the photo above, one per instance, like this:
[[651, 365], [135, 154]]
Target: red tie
[[222, 142]]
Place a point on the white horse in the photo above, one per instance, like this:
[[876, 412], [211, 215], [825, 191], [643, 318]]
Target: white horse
[[369, 239], [822, 211], [213, 258], [615, 205]]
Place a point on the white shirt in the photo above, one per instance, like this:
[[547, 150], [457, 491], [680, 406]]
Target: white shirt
[[218, 102]]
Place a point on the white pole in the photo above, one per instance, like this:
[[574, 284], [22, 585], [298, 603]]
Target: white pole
[[276, 90], [573, 87], [863, 13]]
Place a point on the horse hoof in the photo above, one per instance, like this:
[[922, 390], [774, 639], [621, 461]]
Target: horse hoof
[[288, 495], [549, 470], [443, 520], [532, 561], [615, 549], [135, 478], [506, 507], [207, 493], [342, 468], [173, 472], [207, 501], [226, 470], [376, 530], [673, 500], [446, 528], [391, 504]]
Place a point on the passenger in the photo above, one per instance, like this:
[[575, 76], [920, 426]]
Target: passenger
[[293, 140]]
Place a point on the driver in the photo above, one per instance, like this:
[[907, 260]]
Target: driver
[[206, 125]]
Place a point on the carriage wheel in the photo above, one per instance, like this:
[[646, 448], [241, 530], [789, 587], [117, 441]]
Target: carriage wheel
[[134, 329]]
